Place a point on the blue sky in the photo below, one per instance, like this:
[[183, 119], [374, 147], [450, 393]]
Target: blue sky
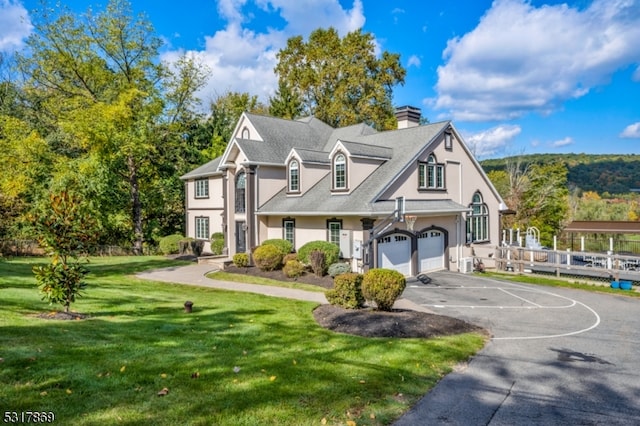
[[515, 76]]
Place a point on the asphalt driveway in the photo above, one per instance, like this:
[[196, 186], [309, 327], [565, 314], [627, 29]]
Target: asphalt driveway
[[557, 357]]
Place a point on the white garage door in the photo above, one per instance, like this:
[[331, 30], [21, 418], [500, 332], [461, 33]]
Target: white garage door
[[394, 252], [430, 251]]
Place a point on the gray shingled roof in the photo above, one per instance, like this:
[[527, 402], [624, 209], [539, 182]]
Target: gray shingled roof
[[313, 140], [363, 200], [367, 150], [311, 156], [208, 169]]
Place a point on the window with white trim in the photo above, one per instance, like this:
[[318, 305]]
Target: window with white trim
[[241, 185], [294, 176], [334, 226], [202, 228], [340, 172], [478, 220], [430, 174], [202, 188], [289, 231]]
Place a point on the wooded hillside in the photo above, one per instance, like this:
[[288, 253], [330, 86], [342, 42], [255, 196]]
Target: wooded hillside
[[604, 174]]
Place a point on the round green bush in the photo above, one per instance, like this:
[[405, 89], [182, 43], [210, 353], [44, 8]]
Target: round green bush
[[268, 257], [293, 268], [170, 244], [217, 243], [338, 268], [346, 291], [241, 260], [383, 286], [285, 246], [330, 250]]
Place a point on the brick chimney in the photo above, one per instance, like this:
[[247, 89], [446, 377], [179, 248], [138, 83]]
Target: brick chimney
[[408, 116]]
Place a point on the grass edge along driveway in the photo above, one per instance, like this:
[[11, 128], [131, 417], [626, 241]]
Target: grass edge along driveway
[[238, 359]]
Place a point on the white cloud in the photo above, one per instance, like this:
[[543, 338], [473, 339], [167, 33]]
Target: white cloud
[[492, 141], [242, 60], [562, 142], [15, 25], [632, 131], [414, 61], [521, 58]]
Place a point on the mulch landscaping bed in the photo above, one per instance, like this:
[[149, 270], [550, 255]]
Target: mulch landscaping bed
[[369, 322]]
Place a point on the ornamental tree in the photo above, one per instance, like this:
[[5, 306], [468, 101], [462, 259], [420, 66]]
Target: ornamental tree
[[66, 232]]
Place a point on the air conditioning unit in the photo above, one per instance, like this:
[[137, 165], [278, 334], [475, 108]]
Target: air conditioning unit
[[466, 265]]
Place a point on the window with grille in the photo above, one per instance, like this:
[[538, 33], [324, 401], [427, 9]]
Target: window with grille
[[340, 172], [289, 231], [294, 176], [202, 188], [478, 220], [334, 226], [202, 228], [241, 185], [430, 174]]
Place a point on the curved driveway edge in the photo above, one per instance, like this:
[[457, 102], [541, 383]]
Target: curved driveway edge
[[578, 374], [196, 275]]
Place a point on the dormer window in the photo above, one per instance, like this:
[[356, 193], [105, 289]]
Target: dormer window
[[294, 176], [430, 174], [339, 171]]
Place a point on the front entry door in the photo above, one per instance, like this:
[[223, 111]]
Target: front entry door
[[241, 237]]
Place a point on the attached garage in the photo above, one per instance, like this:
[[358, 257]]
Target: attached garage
[[394, 252], [430, 250]]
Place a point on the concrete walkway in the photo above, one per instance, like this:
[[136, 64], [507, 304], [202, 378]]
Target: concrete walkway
[[196, 275]]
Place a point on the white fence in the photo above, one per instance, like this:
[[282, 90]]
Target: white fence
[[595, 265]]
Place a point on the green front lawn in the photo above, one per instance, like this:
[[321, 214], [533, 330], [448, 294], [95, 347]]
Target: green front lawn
[[238, 359]]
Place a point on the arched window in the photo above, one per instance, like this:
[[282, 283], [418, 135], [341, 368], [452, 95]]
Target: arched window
[[339, 172], [478, 220], [431, 174], [241, 186], [294, 176], [245, 133]]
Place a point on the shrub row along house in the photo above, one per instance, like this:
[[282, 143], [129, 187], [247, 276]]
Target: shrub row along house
[[303, 180]]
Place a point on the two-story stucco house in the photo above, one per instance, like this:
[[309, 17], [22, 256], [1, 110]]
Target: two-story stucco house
[[303, 180]]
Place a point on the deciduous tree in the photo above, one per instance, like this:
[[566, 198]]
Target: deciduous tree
[[340, 80], [110, 105]]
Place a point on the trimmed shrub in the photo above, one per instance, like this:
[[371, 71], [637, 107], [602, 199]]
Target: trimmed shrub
[[170, 244], [293, 268], [338, 268], [241, 260], [346, 291], [285, 246], [217, 243], [383, 286], [267, 257], [318, 265], [288, 257], [330, 250]]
